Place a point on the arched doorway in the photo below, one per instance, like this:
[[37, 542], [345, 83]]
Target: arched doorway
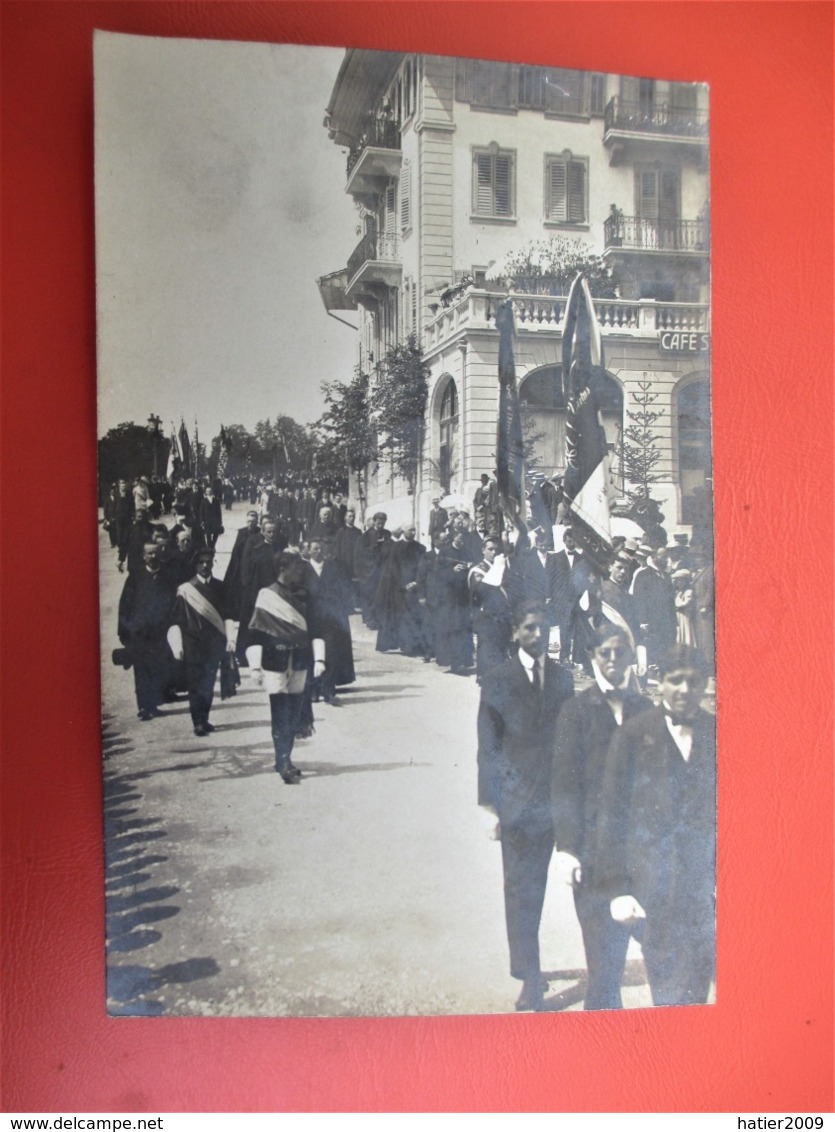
[[543, 418], [448, 419], [695, 458]]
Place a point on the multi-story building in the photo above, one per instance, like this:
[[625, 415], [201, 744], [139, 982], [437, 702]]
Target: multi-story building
[[453, 164]]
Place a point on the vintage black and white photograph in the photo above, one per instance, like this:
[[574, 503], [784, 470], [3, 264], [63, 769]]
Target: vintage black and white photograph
[[405, 533]]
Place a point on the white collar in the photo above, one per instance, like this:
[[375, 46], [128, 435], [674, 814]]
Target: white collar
[[604, 685], [529, 662]]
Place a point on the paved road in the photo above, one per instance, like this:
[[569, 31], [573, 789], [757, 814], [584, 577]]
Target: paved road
[[372, 888]]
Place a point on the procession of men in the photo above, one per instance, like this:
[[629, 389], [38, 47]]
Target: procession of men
[[592, 738]]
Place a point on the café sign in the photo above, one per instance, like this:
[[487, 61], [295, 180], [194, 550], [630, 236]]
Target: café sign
[[684, 342]]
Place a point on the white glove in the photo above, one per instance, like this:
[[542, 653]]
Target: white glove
[[318, 668], [257, 675], [569, 869], [626, 910]]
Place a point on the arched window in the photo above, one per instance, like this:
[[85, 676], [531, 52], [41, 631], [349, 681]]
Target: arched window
[[543, 417], [448, 453], [695, 461]]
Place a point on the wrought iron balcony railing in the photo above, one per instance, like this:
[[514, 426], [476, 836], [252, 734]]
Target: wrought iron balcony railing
[[662, 119], [379, 133], [634, 233], [372, 247]]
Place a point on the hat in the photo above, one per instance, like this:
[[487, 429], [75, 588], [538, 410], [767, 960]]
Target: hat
[[630, 545], [681, 574], [645, 549]]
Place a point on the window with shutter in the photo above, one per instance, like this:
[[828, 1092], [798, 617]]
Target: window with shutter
[[494, 189], [597, 105], [565, 189], [406, 197], [657, 204]]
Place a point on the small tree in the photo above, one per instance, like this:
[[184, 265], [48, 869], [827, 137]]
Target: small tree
[[347, 442], [400, 392], [640, 455]]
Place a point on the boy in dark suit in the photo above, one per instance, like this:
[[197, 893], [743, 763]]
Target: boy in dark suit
[[655, 856], [517, 720]]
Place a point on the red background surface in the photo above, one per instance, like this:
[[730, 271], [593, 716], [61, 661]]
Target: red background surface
[[767, 1045]]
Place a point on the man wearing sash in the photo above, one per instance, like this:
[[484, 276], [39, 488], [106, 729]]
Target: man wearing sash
[[280, 652], [199, 635]]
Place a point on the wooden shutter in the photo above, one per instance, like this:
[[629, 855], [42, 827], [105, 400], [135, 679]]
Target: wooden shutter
[[668, 195], [504, 184], [406, 198], [390, 217], [646, 194], [557, 190], [576, 192], [483, 184]]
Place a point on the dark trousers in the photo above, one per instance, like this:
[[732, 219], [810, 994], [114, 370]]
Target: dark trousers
[[605, 943], [285, 710], [679, 957], [200, 681], [526, 854]]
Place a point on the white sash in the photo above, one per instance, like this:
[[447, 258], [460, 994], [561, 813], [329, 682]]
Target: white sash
[[201, 605], [274, 604], [611, 614]]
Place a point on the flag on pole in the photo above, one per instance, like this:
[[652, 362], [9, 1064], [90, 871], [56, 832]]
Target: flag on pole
[[587, 483], [185, 449], [225, 449], [175, 462], [196, 449], [510, 452]]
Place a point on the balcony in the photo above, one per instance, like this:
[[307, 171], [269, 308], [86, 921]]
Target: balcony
[[544, 314], [373, 160], [634, 234], [633, 124], [373, 268]]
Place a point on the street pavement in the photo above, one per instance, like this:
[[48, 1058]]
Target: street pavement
[[371, 888]]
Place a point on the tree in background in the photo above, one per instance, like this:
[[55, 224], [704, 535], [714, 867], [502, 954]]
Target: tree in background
[[639, 456], [347, 440], [127, 451], [401, 388]]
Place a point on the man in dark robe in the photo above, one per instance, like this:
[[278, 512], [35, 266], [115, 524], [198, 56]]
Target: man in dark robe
[[257, 572], [332, 602], [454, 632], [409, 554], [372, 546], [140, 533], [144, 616], [232, 581], [346, 543], [429, 591], [199, 636], [655, 606]]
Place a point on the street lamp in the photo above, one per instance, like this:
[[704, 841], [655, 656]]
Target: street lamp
[[153, 427]]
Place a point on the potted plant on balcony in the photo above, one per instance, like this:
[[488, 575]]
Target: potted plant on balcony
[[547, 267]]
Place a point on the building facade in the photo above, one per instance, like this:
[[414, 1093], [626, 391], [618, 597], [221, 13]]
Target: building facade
[[454, 164]]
